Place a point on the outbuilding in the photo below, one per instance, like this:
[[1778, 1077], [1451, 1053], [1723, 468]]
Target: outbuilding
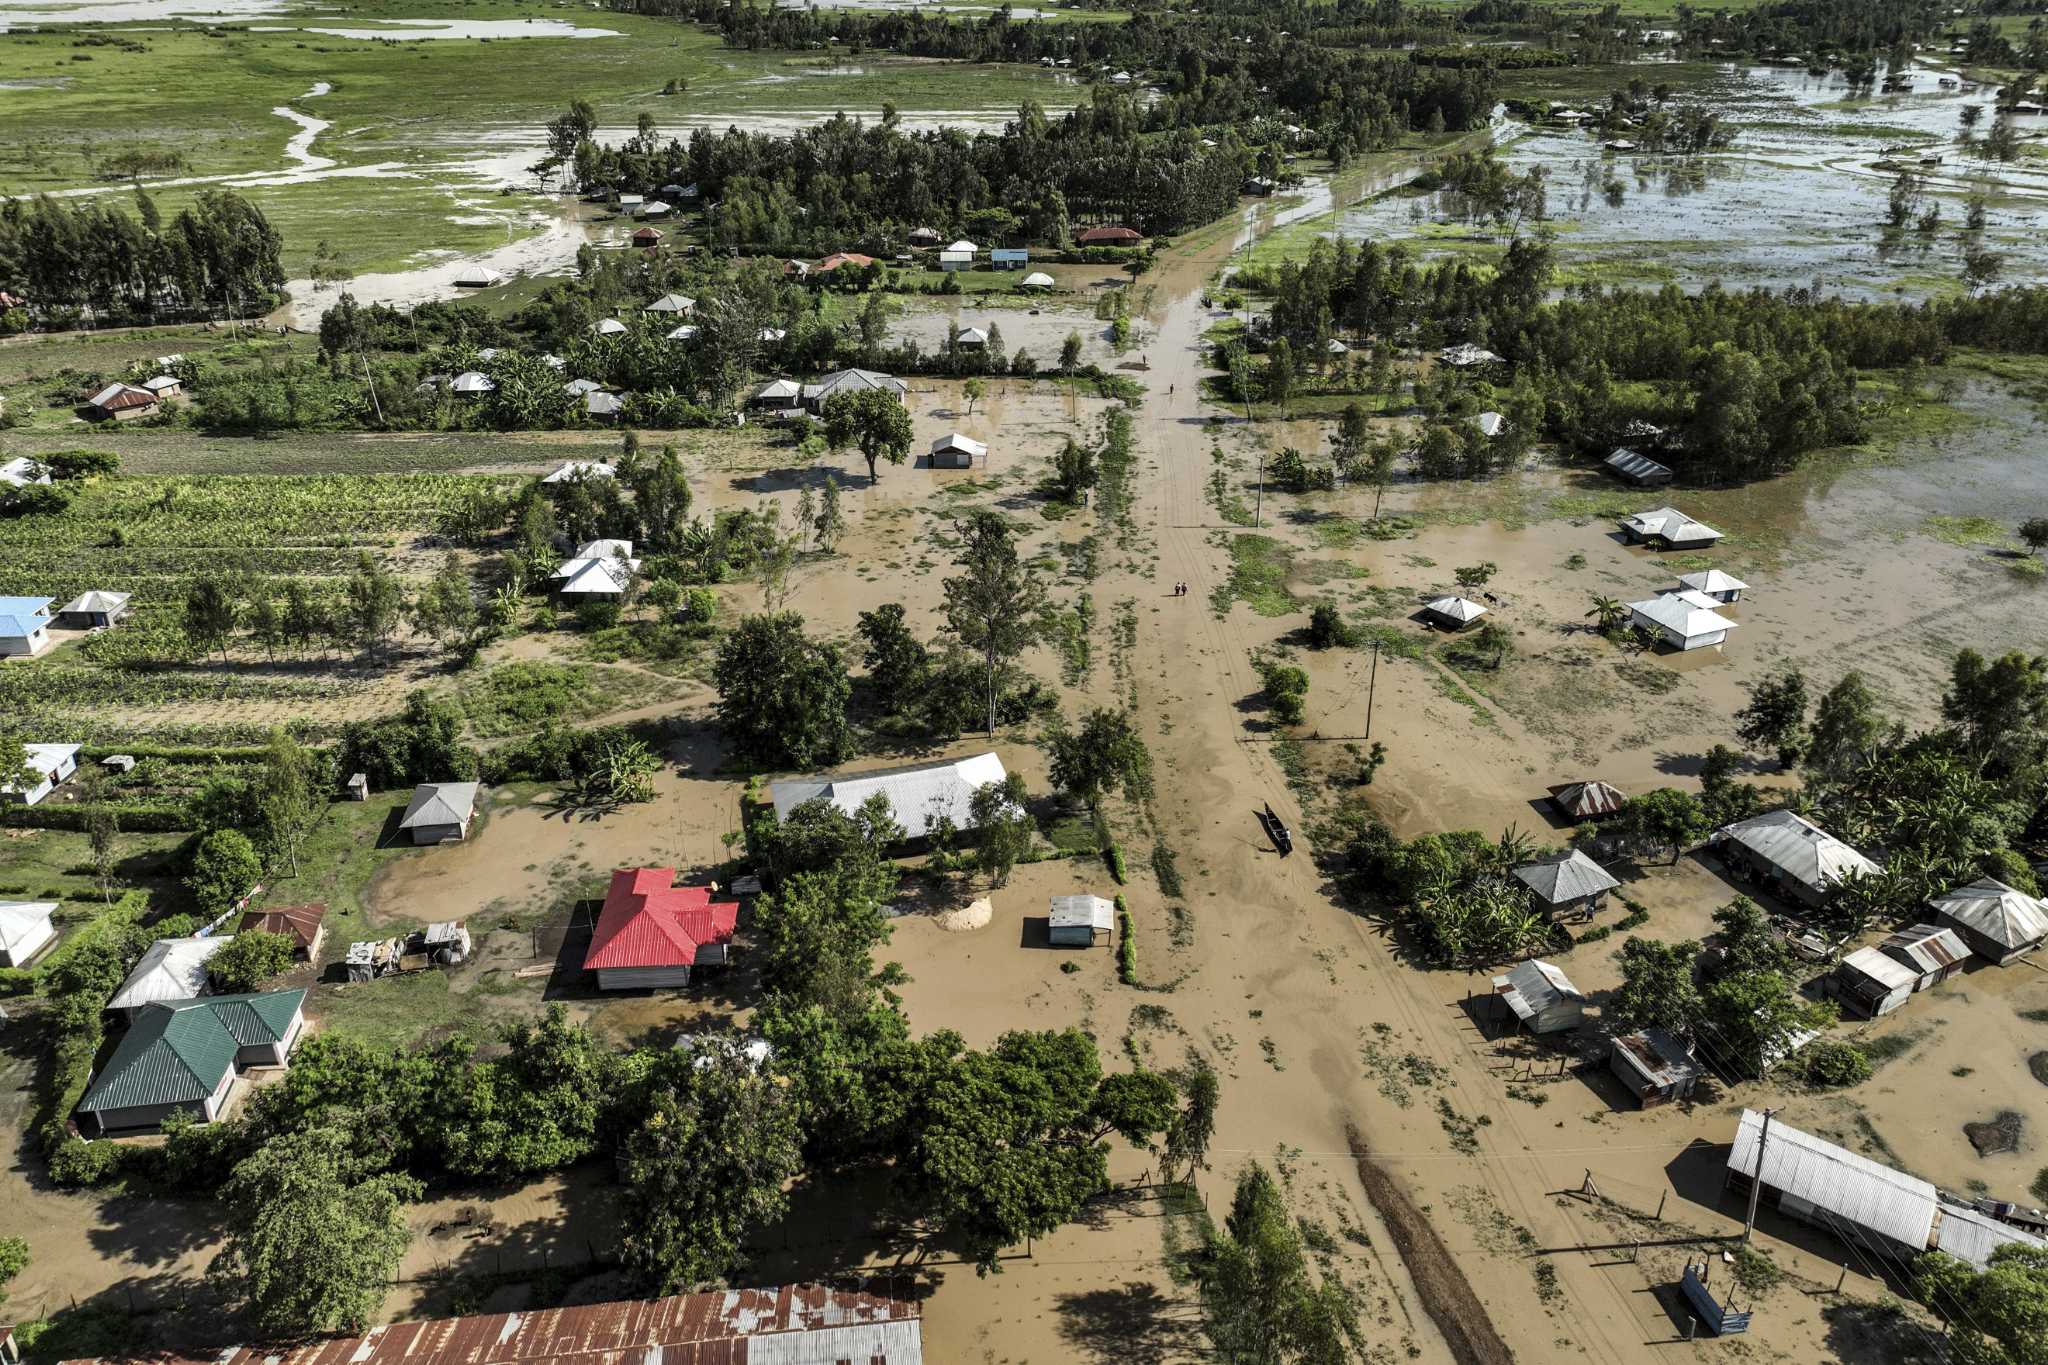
[[304, 925], [1933, 953], [581, 471], [954, 451], [609, 327], [96, 609], [1008, 258], [478, 277], [647, 238], [1037, 279], [1541, 997], [1791, 855], [473, 384], [1109, 234], [922, 236], [1080, 921], [1640, 470], [1452, 613], [49, 765], [440, 812], [25, 930], [171, 969], [1998, 922], [1871, 982], [1490, 424], [1669, 529], [23, 470], [1466, 356], [1581, 801], [1714, 585], [1681, 620], [122, 403], [678, 305], [24, 626], [1657, 1066], [958, 256], [1571, 883], [164, 386], [971, 338]]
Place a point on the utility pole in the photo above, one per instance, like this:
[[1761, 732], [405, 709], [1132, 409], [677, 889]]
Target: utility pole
[[1756, 1182], [1372, 688], [1259, 506]]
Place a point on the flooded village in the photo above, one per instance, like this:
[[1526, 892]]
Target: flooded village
[[944, 683]]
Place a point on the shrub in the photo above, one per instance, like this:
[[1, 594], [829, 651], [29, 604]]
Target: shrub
[[249, 959], [1835, 1064], [224, 868], [1126, 944], [79, 1163], [599, 613]]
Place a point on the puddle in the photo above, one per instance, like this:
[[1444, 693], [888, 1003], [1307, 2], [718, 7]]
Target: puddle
[[1799, 198]]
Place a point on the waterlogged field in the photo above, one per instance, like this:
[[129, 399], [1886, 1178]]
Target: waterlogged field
[[404, 136], [1800, 199]]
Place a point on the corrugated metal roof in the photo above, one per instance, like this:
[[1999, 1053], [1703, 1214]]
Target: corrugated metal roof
[[1634, 466], [302, 922], [1658, 1056], [1926, 948], [1582, 800], [440, 803], [1534, 987], [171, 969], [794, 1325], [649, 921], [918, 795], [1969, 1235], [1671, 525], [23, 923], [1850, 1188], [1887, 971], [1989, 907], [1799, 848], [1570, 877], [1092, 911], [177, 1054]]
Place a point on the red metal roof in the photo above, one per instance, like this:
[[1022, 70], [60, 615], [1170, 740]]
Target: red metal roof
[[302, 922], [648, 921], [684, 1329], [1106, 234]]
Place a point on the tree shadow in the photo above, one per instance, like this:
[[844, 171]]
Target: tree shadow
[[1130, 1324]]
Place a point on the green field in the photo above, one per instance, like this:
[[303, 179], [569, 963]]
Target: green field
[[422, 131]]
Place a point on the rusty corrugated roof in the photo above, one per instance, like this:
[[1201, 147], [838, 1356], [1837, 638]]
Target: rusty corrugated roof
[[805, 1323]]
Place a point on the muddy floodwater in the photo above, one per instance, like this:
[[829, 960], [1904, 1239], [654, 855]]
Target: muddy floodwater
[[1799, 199]]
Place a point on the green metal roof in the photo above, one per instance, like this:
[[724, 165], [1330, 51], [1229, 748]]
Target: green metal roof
[[177, 1053]]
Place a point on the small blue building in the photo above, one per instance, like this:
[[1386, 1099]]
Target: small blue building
[[1009, 258]]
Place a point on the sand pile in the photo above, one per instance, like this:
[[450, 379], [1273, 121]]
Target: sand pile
[[970, 917]]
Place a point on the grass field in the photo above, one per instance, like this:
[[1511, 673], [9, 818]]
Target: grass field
[[421, 142]]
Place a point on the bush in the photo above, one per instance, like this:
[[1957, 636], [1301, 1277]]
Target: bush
[[1326, 628], [80, 1164], [249, 959], [224, 869], [1836, 1064], [599, 613], [1126, 944]]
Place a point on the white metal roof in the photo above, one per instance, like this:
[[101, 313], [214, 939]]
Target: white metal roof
[[1711, 581], [953, 440], [853, 380], [609, 327], [440, 803], [1670, 523], [1969, 1235], [1093, 911], [1571, 877], [1535, 986], [473, 381], [1637, 466], [478, 277], [1848, 1187], [1681, 616], [918, 795], [1799, 848], [973, 336], [24, 924], [1888, 972], [603, 404], [1467, 354], [1490, 423], [1037, 279], [96, 599], [582, 469], [576, 388], [23, 470], [963, 245], [172, 969], [1998, 912], [687, 331], [1457, 608]]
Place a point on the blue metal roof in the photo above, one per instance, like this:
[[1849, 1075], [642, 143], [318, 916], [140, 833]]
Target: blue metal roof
[[1009, 253]]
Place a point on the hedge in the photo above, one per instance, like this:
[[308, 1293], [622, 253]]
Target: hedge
[[134, 817], [1126, 944], [72, 1052]]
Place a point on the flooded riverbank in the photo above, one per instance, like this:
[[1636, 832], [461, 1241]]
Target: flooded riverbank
[[1799, 199]]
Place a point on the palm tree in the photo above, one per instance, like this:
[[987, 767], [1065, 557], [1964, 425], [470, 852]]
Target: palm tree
[[1609, 615]]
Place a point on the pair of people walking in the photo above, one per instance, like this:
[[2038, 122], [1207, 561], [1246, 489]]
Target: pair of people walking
[[1180, 590]]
